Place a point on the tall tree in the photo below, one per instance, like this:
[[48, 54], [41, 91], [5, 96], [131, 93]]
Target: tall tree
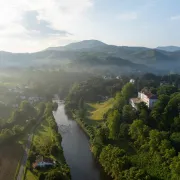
[[113, 124], [138, 132], [128, 114], [128, 91], [166, 90], [120, 101]]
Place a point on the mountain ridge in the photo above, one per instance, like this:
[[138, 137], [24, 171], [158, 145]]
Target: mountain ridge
[[169, 48], [92, 53]]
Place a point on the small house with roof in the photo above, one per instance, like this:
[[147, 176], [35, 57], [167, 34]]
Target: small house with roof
[[42, 162]]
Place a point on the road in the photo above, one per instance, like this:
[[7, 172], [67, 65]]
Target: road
[[24, 158], [26, 152]]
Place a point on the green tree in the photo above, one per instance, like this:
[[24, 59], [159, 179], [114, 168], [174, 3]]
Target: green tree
[[113, 160], [40, 108], [120, 101], [54, 175], [175, 168], [175, 139], [138, 132], [135, 174], [158, 109], [171, 111], [124, 129], [128, 91], [166, 90], [6, 133], [128, 114], [113, 124], [28, 109], [144, 115], [17, 129], [155, 138]]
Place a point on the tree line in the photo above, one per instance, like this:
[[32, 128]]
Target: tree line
[[136, 144]]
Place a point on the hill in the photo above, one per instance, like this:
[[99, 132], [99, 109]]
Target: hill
[[86, 44], [168, 48], [96, 55], [155, 58]]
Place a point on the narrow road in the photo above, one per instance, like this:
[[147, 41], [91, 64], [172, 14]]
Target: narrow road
[[26, 151], [24, 158]]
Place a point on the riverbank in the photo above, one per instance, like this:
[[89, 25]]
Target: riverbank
[[75, 143], [82, 124], [89, 130], [46, 148]]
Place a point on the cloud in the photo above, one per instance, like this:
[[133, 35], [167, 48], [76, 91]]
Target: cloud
[[175, 17], [48, 21], [39, 27], [127, 16]]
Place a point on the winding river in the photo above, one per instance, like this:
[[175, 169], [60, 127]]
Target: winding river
[[76, 148]]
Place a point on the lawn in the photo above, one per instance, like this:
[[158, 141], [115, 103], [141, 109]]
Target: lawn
[[30, 176], [45, 136], [42, 136], [97, 110]]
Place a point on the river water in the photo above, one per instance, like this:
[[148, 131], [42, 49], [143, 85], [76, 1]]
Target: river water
[[76, 148]]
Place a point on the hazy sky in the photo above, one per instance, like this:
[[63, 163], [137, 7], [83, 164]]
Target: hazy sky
[[33, 25]]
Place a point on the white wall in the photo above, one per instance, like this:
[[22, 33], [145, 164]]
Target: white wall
[[146, 100]]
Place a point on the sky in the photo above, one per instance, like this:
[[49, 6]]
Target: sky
[[34, 25]]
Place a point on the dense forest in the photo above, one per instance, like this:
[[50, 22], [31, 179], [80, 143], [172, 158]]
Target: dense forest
[[128, 143]]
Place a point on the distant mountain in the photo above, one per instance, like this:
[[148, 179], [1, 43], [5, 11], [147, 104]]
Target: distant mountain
[[169, 48], [155, 58], [94, 54], [86, 44]]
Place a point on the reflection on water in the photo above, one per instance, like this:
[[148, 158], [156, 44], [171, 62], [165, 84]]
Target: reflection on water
[[64, 128], [76, 148]]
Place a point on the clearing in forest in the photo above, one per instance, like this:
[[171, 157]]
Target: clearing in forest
[[96, 111]]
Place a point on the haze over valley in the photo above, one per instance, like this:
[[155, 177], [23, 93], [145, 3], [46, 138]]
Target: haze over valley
[[96, 56], [89, 90]]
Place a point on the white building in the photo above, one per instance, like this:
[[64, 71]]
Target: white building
[[144, 96], [132, 81]]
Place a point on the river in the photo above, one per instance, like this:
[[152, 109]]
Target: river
[[76, 148]]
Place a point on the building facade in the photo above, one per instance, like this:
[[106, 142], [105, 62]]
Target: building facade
[[148, 98], [144, 96]]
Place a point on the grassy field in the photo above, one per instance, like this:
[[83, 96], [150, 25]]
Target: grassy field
[[10, 154], [30, 176], [97, 110], [43, 137]]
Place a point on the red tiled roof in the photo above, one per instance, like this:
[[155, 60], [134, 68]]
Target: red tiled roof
[[148, 94]]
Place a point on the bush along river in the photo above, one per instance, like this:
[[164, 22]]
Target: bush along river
[[76, 148]]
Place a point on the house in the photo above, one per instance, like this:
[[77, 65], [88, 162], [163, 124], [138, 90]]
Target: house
[[134, 102], [43, 162], [132, 81], [107, 77], [144, 96]]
